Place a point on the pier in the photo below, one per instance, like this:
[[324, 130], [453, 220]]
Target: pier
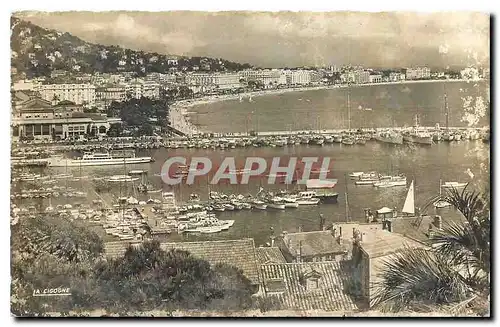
[[342, 131]]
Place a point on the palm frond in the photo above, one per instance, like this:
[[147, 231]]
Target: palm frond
[[419, 276], [467, 242], [471, 204]]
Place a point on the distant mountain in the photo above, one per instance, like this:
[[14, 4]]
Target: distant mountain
[[37, 51]]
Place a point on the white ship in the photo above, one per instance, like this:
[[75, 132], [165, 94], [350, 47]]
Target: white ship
[[96, 159], [276, 203], [122, 178], [307, 201], [261, 205], [454, 185], [204, 223], [393, 181]]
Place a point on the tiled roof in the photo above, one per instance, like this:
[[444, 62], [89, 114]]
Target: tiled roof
[[312, 243], [117, 248], [269, 255], [382, 242], [237, 253], [329, 295]]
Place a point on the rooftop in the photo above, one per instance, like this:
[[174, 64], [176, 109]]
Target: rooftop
[[269, 255], [285, 282], [312, 243], [382, 242], [412, 228], [238, 253]]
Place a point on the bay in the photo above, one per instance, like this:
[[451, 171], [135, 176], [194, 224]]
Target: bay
[[384, 105]]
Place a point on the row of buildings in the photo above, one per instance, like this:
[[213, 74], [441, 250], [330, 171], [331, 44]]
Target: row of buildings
[[100, 89], [327, 270], [38, 119], [90, 95]]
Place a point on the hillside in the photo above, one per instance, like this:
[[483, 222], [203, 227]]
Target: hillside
[[37, 51]]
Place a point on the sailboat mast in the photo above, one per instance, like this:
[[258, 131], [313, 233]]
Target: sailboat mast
[[346, 200], [447, 111], [348, 106]]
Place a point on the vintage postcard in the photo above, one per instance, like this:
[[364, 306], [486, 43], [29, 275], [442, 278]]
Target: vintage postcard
[[250, 164]]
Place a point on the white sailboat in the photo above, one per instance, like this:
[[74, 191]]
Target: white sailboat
[[441, 203], [409, 206]]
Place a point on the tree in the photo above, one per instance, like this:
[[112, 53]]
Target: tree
[[115, 130], [141, 114], [143, 278], [455, 270]]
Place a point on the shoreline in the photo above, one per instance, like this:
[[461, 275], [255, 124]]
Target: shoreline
[[181, 115]]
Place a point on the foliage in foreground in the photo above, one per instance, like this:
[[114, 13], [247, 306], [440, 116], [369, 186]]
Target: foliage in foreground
[[51, 252], [454, 271]]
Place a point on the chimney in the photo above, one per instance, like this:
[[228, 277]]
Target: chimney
[[272, 241], [324, 228], [438, 222], [300, 229]]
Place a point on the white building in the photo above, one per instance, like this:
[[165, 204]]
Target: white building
[[376, 78], [396, 77], [24, 85], [418, 73], [361, 77], [82, 94], [150, 89], [268, 78], [205, 82], [139, 88], [109, 93], [298, 77]]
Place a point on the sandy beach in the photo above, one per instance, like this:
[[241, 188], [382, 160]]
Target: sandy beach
[[216, 98], [180, 114]]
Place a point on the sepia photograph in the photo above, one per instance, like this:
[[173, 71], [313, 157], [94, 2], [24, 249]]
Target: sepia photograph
[[250, 164]]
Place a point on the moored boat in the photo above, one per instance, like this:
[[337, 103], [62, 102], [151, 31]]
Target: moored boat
[[454, 185], [261, 205], [391, 137], [96, 159]]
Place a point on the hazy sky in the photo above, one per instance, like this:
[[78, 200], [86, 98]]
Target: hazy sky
[[282, 39]]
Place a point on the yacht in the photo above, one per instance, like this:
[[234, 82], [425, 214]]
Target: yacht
[[203, 223], [307, 201], [321, 189], [454, 185], [390, 137], [356, 174], [276, 203], [417, 135], [257, 204], [290, 202], [96, 159], [122, 178], [348, 140], [391, 183]]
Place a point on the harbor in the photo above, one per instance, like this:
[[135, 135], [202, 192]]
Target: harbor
[[139, 188]]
